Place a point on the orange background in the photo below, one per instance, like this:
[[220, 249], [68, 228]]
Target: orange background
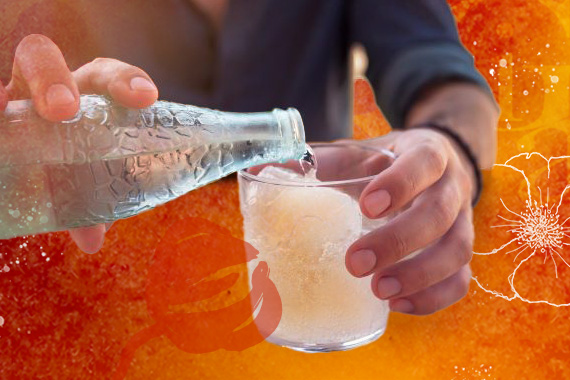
[[69, 317]]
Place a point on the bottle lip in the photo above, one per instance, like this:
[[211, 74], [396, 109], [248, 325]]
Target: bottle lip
[[336, 183], [297, 125]]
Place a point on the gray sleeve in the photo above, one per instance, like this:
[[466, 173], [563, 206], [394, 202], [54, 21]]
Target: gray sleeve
[[411, 45]]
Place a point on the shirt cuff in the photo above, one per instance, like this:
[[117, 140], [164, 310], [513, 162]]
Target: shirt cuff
[[419, 67]]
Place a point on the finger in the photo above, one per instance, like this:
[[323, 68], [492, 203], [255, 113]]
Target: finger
[[350, 159], [108, 226], [40, 72], [127, 84], [3, 97], [430, 217], [411, 173], [436, 297], [89, 239], [438, 262]]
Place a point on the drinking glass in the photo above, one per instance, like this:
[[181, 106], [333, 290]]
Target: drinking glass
[[302, 229]]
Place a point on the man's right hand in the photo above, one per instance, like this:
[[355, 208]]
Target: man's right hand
[[40, 73]]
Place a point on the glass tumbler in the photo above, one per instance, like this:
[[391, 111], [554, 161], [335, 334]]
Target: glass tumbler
[[302, 228]]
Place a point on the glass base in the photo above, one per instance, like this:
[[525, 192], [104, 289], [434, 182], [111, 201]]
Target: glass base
[[327, 347]]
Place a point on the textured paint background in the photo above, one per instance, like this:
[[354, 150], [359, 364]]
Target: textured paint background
[[68, 317]]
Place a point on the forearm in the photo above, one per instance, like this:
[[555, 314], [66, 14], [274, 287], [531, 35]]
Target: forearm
[[467, 110]]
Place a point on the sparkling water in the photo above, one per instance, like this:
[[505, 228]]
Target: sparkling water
[[309, 163], [111, 162], [303, 232]]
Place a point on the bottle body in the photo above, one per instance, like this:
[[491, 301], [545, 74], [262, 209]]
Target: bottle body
[[111, 162]]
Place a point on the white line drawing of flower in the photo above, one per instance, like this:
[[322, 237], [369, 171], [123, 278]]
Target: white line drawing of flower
[[537, 230]]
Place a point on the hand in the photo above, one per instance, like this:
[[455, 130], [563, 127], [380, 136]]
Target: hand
[[431, 177], [40, 73]]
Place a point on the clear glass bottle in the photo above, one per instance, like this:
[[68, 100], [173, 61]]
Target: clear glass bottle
[[110, 162]]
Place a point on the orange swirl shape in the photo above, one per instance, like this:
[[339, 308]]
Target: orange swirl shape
[[183, 271]]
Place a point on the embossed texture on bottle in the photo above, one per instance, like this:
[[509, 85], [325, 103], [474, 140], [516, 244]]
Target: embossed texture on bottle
[[111, 162]]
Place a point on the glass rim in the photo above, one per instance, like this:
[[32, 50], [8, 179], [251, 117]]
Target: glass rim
[[296, 183]]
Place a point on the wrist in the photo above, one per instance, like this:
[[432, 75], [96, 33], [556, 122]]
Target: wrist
[[465, 109], [467, 158]]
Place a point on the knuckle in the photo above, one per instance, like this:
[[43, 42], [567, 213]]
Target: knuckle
[[433, 157], [100, 61], [114, 71], [442, 211], [409, 186], [464, 250], [423, 279], [464, 179], [397, 245]]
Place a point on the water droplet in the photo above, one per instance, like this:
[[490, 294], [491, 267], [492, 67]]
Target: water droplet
[[43, 219], [503, 63], [309, 162]]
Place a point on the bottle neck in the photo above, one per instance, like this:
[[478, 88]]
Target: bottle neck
[[292, 127], [285, 126]]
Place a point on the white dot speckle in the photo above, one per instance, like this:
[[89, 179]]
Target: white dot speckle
[[525, 92], [554, 79], [43, 219], [1, 321], [48, 205], [14, 213], [503, 63]]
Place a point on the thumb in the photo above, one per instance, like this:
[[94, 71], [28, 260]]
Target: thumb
[[40, 72], [3, 97], [89, 239]]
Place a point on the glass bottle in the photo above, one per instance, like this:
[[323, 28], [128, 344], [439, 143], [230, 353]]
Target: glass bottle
[[110, 162]]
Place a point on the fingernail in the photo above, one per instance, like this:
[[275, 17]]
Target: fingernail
[[58, 95], [388, 287], [376, 202], [142, 84], [362, 262], [401, 306]]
